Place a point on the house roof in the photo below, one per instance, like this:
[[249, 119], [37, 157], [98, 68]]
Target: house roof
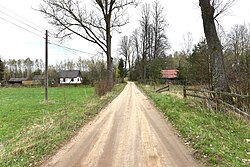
[[169, 74], [38, 77], [69, 73], [17, 79]]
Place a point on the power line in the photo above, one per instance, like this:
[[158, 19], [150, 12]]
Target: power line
[[20, 21], [65, 47], [72, 50], [69, 49], [21, 18], [21, 27]]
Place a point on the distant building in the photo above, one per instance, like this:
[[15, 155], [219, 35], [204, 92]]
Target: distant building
[[70, 77], [38, 80], [17, 81], [169, 75]]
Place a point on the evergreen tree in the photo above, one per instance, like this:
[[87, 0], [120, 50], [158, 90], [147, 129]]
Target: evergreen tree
[[121, 69], [199, 63]]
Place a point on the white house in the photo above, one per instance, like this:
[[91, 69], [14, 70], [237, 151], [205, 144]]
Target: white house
[[70, 77]]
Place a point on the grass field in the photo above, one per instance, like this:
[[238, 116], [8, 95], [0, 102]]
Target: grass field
[[219, 139], [31, 128]]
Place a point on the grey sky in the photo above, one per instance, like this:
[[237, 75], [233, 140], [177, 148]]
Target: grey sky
[[183, 16]]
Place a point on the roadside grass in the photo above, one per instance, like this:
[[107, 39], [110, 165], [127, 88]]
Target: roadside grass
[[30, 129], [218, 138]]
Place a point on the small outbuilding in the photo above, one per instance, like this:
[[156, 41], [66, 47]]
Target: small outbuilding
[[70, 77], [169, 75], [38, 80], [17, 81]]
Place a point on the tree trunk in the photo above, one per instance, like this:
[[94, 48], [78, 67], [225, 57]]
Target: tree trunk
[[108, 53], [144, 72], [219, 80], [129, 68]]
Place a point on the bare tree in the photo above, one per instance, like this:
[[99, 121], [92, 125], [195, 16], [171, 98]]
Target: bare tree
[[20, 67], [159, 25], [187, 43], [238, 59], [221, 7], [28, 67], [125, 49], [239, 40], [211, 10], [136, 43], [71, 17], [145, 29]]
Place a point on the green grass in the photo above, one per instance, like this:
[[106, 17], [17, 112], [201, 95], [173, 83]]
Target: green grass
[[219, 139], [31, 129]]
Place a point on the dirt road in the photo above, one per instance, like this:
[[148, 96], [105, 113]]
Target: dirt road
[[129, 132]]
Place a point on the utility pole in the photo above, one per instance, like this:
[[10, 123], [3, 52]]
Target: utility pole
[[46, 67]]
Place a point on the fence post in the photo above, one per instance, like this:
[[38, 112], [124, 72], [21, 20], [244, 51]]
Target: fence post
[[184, 90], [217, 97]]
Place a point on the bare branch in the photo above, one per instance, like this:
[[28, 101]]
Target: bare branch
[[221, 8], [71, 17]]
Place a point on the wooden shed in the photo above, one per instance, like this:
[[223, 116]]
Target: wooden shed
[[17, 81], [169, 74]]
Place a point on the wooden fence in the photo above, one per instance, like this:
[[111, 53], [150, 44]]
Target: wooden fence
[[241, 103], [163, 89]]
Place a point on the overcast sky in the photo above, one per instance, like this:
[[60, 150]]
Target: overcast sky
[[183, 16]]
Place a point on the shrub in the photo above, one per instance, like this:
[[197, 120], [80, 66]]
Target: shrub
[[103, 86]]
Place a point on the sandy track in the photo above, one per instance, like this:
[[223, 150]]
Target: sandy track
[[129, 132]]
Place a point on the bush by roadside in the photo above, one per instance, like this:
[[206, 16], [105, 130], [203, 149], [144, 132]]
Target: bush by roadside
[[103, 86]]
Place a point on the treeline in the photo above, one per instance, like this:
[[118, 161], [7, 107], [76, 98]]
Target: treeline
[[92, 70], [22, 68]]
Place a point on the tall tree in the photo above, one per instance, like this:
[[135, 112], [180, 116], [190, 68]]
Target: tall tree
[[238, 59], [187, 43], [159, 25], [145, 38], [38, 67], [125, 49], [136, 55], [199, 62], [121, 69], [136, 43], [28, 65], [71, 17], [96, 70], [211, 10], [239, 40]]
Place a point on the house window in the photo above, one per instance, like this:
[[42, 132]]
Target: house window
[[72, 80], [64, 80], [78, 79]]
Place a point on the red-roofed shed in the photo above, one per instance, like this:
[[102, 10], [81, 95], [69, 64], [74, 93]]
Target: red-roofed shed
[[169, 74]]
